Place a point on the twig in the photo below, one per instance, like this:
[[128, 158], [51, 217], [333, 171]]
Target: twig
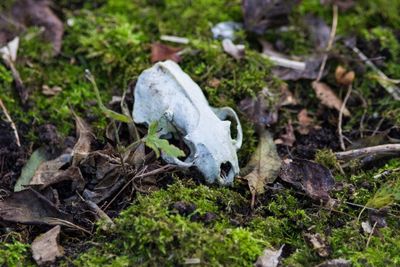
[[330, 42], [19, 85], [101, 214], [370, 234], [383, 80], [8, 117], [287, 63], [342, 145], [367, 151]]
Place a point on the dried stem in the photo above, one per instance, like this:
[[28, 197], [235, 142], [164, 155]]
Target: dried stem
[[8, 117], [330, 42], [342, 145]]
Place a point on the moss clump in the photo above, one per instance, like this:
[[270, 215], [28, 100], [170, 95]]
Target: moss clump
[[151, 232], [14, 254]]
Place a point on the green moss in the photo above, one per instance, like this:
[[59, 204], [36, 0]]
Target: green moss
[[14, 254], [150, 232]]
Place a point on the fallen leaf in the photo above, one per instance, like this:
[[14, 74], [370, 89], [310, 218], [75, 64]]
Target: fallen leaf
[[28, 171], [305, 122], [314, 179], [335, 263], [82, 147], [36, 13], [161, 52], [30, 207], [318, 243], [45, 248], [269, 258], [51, 91], [264, 165], [72, 174], [258, 110], [49, 169], [328, 97], [259, 15], [343, 76], [236, 51], [288, 138]]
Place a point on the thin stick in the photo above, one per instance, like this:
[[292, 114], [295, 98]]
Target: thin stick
[[370, 235], [367, 151], [100, 214], [330, 42], [342, 145], [8, 117], [19, 85], [383, 80]]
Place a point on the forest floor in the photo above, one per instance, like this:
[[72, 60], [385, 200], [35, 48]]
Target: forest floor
[[69, 161]]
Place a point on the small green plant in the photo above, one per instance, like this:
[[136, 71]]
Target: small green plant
[[153, 141]]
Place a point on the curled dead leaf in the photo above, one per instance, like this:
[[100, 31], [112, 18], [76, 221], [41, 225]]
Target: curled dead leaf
[[264, 165], [82, 147], [161, 52], [30, 207], [314, 179], [328, 97]]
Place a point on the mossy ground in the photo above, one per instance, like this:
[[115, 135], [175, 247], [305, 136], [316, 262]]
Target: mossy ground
[[112, 39]]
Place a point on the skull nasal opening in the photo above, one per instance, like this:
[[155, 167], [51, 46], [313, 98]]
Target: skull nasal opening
[[225, 169]]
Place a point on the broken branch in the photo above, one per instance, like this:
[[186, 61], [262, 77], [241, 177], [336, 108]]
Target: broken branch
[[367, 151]]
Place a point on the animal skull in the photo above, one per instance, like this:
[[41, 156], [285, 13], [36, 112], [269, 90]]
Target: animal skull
[[166, 94]]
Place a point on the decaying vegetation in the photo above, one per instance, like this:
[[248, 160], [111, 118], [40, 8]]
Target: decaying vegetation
[[332, 196]]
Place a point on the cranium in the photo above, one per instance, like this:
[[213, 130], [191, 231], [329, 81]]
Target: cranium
[[166, 94]]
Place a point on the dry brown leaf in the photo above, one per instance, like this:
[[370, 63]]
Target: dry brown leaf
[[45, 248], [264, 165], [328, 97], [314, 179], [82, 147], [30, 207], [161, 52], [305, 122]]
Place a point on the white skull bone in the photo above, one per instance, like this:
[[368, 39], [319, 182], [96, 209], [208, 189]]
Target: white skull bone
[[166, 94]]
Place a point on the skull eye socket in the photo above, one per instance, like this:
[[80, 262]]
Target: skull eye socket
[[225, 170]]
